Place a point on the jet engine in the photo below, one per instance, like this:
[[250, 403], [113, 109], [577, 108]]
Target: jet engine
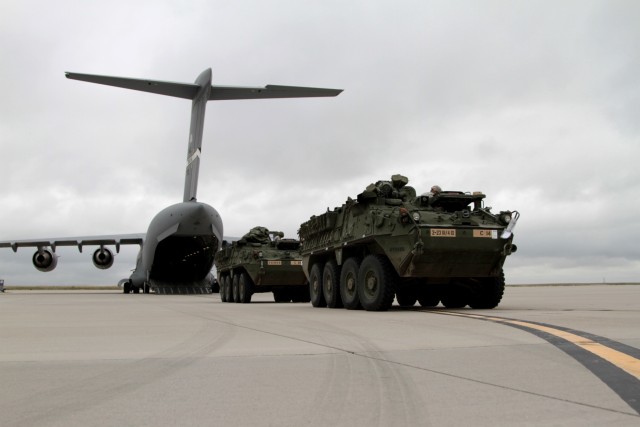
[[102, 258], [45, 260]]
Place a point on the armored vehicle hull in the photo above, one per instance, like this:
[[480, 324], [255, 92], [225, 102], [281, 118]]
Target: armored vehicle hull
[[262, 261], [441, 247]]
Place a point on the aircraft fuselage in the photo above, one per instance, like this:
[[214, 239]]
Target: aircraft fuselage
[[179, 247]]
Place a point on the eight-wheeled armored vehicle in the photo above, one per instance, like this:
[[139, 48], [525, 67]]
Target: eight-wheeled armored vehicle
[[261, 261], [440, 247]]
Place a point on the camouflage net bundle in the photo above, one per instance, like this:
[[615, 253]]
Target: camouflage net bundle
[[257, 235]]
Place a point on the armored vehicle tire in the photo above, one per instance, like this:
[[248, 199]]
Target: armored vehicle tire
[[281, 295], [245, 288], [490, 293], [301, 294], [223, 296], [227, 290], [331, 284], [427, 299], [454, 298], [234, 288], [406, 297], [349, 284], [376, 283], [315, 286]]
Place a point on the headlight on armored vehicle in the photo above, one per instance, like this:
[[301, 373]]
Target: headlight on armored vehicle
[[416, 216], [505, 217]]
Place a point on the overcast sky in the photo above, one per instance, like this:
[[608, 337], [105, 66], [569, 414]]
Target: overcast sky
[[535, 103]]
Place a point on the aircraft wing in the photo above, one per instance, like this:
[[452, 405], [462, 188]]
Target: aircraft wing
[[115, 239]]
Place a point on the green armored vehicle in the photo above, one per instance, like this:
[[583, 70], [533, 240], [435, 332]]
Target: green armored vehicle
[[261, 261], [439, 247]]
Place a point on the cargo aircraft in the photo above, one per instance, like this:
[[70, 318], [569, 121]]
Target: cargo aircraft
[[176, 253]]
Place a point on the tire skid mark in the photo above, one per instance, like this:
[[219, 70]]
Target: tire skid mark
[[376, 356], [614, 363], [125, 378], [394, 388]]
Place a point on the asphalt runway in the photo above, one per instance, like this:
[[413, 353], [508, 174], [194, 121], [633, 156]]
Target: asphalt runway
[[548, 355]]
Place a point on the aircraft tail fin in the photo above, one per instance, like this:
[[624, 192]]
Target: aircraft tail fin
[[200, 92]]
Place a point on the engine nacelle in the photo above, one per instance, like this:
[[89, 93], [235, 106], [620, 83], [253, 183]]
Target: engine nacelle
[[45, 260], [102, 258]]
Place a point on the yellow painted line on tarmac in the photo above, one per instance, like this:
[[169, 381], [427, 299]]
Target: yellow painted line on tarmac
[[627, 363]]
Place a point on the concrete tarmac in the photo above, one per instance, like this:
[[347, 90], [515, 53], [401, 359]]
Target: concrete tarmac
[[107, 359]]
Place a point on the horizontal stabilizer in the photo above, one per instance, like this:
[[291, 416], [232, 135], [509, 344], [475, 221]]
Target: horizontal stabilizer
[[190, 90], [269, 91]]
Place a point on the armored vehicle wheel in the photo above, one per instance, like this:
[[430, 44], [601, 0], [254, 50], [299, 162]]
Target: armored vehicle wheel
[[489, 293], [428, 299], [454, 298], [234, 288], [376, 283], [331, 284], [223, 297], [245, 288], [281, 295], [406, 297], [349, 284], [315, 286], [301, 294], [228, 292]]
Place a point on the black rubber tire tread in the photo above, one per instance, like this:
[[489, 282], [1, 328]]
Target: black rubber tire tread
[[126, 288], [245, 288], [349, 274], [490, 294], [454, 298], [223, 285], [315, 286], [378, 268], [406, 297], [228, 292], [331, 284], [234, 289], [428, 300], [282, 295]]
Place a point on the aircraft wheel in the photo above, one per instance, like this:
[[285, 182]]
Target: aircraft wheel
[[331, 284], [146, 288], [315, 286], [376, 283], [126, 288], [136, 289]]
